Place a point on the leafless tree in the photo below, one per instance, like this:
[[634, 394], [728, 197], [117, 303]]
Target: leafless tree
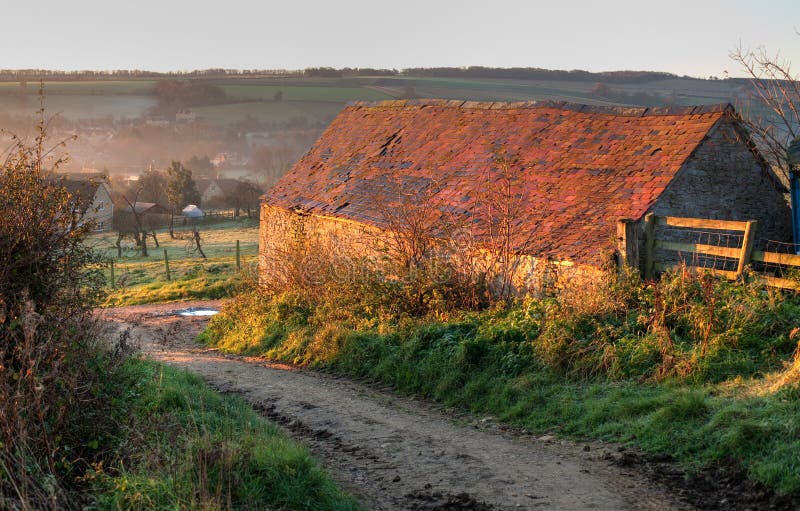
[[139, 229], [500, 204], [196, 238], [771, 105]]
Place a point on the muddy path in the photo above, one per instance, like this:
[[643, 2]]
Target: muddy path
[[394, 452]]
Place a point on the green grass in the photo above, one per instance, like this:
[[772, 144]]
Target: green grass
[[144, 280], [581, 367], [85, 106], [189, 447], [303, 92], [88, 87], [318, 99], [268, 111]]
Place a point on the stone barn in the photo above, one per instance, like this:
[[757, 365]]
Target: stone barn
[[571, 171]]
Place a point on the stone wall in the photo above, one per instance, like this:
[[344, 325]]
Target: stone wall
[[723, 180], [298, 245]]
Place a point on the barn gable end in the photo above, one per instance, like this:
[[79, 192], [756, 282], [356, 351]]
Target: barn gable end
[[724, 179]]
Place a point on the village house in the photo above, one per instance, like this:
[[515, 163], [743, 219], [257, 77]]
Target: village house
[[576, 169], [223, 193], [94, 202]]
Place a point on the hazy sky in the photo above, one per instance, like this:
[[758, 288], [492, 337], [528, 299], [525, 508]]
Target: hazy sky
[[683, 37]]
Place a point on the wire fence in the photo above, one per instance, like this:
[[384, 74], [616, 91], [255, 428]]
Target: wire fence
[[724, 247], [716, 260], [779, 266], [164, 266]]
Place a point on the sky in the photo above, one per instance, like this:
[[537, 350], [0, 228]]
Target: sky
[[678, 36]]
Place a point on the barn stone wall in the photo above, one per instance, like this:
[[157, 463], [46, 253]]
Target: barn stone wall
[[308, 242], [723, 180]]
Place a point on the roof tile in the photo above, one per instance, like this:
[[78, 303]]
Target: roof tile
[[577, 169]]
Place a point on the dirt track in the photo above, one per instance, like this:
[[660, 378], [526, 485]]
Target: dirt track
[[399, 453]]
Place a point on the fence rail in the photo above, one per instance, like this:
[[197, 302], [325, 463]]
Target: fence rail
[[629, 242]]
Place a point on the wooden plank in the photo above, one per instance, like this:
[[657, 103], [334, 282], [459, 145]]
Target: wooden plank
[[781, 283], [701, 223], [675, 267], [649, 240], [698, 248], [747, 246], [628, 243], [776, 258]]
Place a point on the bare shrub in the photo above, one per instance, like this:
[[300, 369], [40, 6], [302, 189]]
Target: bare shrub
[[53, 377]]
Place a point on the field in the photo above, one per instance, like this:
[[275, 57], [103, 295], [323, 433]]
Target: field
[[144, 280], [336, 94], [81, 106], [318, 99], [268, 111], [82, 88]]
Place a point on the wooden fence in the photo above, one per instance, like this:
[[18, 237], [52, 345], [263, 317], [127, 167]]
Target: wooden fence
[[744, 254]]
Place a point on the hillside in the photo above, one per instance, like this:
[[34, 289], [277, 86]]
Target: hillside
[[261, 124]]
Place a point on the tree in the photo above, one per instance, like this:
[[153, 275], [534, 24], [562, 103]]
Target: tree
[[175, 95], [181, 190], [771, 104], [270, 163], [247, 196], [501, 202], [152, 187], [201, 166], [134, 222]]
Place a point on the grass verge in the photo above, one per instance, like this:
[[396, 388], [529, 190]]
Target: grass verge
[[191, 280], [189, 447], [701, 370], [139, 280]]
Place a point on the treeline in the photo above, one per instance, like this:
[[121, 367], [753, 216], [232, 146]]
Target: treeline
[[534, 73], [521, 73], [332, 72], [524, 73], [13, 75]]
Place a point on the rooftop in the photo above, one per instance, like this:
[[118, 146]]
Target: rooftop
[[577, 169]]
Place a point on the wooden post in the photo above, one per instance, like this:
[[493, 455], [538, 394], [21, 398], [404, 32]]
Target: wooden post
[[747, 246], [113, 279], [649, 245], [628, 243], [238, 256], [166, 265]]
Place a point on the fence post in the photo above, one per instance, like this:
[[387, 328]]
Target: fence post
[[113, 280], [747, 246], [238, 256], [166, 265], [649, 245], [628, 243]]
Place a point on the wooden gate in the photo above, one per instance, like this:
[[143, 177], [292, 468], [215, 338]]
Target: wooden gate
[[728, 248]]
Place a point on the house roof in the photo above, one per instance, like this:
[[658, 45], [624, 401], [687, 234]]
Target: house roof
[[147, 208], [84, 190], [228, 186], [576, 169]]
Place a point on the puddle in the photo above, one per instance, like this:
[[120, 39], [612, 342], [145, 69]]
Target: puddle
[[197, 311]]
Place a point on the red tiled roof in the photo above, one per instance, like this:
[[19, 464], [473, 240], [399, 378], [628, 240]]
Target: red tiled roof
[[578, 168]]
